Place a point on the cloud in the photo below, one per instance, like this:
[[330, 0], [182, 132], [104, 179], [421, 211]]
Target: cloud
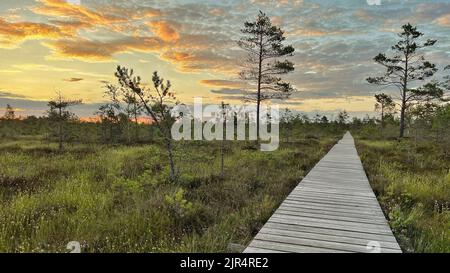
[[216, 11], [62, 8], [70, 18], [164, 30], [443, 20], [41, 67], [13, 33], [200, 60], [318, 32], [224, 83], [73, 79], [70, 27], [335, 41], [278, 3], [9, 95], [146, 12], [88, 50], [241, 98], [229, 91], [39, 107], [121, 27], [289, 102], [10, 71]]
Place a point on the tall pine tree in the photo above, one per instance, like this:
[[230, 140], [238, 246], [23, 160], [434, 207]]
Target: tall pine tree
[[405, 68], [263, 67]]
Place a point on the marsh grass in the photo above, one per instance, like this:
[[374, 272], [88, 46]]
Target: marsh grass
[[412, 182], [118, 198]]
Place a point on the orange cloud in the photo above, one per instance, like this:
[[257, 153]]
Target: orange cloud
[[71, 27], [109, 16], [147, 13], [223, 83], [88, 50], [202, 60], [62, 8], [190, 52], [13, 33], [164, 30], [444, 20]]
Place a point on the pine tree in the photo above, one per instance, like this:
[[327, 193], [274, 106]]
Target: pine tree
[[264, 44], [385, 104], [405, 67], [60, 113], [109, 112], [156, 104], [10, 113]]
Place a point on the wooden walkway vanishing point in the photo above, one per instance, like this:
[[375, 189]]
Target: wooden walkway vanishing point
[[332, 210]]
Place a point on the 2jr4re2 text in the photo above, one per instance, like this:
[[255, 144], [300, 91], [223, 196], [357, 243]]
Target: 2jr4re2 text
[[228, 263]]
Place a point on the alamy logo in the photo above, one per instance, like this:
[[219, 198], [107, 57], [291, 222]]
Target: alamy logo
[[229, 122], [74, 247], [373, 247]]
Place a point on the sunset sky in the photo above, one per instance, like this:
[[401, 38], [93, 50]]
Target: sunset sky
[[51, 45]]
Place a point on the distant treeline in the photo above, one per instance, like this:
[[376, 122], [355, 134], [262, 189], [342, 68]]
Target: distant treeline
[[430, 125]]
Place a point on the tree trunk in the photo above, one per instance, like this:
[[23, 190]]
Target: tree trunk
[[288, 127], [111, 132], [402, 114], [258, 100], [60, 136], [172, 163], [402, 123], [136, 124], [128, 131], [60, 130], [222, 154], [222, 146], [404, 91]]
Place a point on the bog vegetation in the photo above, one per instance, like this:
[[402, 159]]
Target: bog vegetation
[[120, 185], [120, 198]]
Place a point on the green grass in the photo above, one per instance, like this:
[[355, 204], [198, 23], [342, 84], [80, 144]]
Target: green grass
[[118, 198], [412, 182]]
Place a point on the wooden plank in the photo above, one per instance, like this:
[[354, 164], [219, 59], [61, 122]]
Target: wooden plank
[[331, 217], [328, 244], [332, 210], [295, 220], [327, 238], [330, 231], [331, 189], [318, 211], [333, 196], [330, 204], [312, 190], [333, 199], [262, 250], [286, 247]]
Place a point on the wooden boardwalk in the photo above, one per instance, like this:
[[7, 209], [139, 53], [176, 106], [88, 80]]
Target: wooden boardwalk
[[332, 210]]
